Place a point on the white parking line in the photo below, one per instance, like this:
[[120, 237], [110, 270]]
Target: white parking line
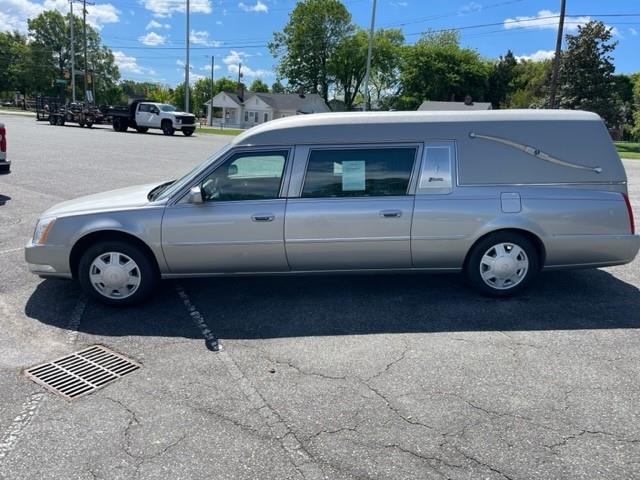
[[30, 407], [290, 443], [13, 433]]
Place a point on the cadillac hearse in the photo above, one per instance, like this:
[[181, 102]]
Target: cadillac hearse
[[497, 195]]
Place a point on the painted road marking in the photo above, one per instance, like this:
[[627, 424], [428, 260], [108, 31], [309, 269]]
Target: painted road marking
[[13, 433]]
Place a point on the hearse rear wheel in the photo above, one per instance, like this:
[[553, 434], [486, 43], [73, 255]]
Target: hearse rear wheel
[[502, 264], [117, 273]]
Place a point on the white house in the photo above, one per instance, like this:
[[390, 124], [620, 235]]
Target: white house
[[258, 108]]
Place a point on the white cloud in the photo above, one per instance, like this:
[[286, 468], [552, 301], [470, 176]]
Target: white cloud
[[165, 8], [248, 71], [152, 39], [470, 7], [235, 57], [633, 31], [399, 4], [258, 7], [128, 64], [202, 38], [207, 68], [548, 20], [537, 56], [155, 24], [14, 13]]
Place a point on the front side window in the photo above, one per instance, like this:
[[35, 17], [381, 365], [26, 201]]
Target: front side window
[[246, 176], [366, 172], [168, 108]]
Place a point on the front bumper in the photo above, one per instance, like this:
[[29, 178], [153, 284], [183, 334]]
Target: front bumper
[[5, 166], [48, 260]]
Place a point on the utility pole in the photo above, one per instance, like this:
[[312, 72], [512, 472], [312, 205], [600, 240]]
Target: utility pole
[[211, 106], [369, 52], [73, 54], [186, 67], [556, 60], [240, 88], [84, 32]]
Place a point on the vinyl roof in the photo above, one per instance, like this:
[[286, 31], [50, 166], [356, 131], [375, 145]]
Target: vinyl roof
[[387, 126]]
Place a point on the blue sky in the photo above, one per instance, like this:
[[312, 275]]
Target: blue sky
[[148, 36]]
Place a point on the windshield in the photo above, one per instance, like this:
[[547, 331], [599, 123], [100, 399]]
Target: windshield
[[167, 108], [176, 186]]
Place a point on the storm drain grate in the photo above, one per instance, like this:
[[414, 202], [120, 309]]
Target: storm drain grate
[[82, 372]]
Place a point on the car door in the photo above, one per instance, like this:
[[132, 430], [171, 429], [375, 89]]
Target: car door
[[239, 226], [352, 208], [145, 115]]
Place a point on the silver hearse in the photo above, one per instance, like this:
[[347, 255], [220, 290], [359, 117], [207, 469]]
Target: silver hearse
[[498, 195]]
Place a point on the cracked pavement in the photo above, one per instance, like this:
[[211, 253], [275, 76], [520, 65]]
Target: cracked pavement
[[367, 377]]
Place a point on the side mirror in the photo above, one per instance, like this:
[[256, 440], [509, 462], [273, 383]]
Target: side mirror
[[195, 195]]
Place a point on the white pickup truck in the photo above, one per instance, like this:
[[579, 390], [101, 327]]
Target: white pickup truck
[[143, 115], [5, 165]]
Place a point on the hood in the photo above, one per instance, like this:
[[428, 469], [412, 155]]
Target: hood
[[183, 113], [121, 199]]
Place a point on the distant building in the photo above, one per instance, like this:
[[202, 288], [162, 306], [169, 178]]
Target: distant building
[[255, 108], [468, 104]]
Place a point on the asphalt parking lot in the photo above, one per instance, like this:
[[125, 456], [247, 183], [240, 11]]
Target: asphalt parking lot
[[381, 377]]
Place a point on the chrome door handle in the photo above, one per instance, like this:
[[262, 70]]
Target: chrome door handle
[[390, 213], [263, 217]]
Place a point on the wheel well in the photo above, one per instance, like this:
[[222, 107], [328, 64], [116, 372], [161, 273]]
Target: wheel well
[[85, 242], [540, 250], [165, 121]]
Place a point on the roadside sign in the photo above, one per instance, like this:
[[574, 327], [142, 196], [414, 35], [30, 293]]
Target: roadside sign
[[61, 81]]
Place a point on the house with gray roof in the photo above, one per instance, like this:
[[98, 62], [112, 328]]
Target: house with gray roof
[[254, 108]]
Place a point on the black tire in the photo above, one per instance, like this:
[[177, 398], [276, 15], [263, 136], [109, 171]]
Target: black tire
[[89, 124], [81, 124], [501, 286], [187, 132], [60, 121], [142, 129], [52, 120], [146, 271], [167, 127]]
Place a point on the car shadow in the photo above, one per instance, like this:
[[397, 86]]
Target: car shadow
[[276, 307]]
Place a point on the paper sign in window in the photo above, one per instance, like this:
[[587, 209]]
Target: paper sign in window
[[353, 175]]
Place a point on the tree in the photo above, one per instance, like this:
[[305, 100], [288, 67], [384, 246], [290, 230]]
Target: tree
[[308, 41], [586, 73], [259, 86], [529, 84], [635, 130], [437, 68], [501, 78], [16, 72], [348, 64], [51, 53], [384, 80], [277, 87]]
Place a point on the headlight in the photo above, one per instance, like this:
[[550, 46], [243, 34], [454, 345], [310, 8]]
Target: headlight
[[178, 120], [42, 230]]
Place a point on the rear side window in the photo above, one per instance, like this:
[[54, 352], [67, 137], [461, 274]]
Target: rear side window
[[436, 172], [144, 107], [366, 172]]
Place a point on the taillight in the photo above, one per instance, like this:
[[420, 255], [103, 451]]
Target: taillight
[[3, 140], [632, 223]]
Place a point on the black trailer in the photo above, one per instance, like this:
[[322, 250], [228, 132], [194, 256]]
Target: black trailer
[[45, 105], [75, 112]]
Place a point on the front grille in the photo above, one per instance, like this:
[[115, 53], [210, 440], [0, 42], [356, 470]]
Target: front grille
[[82, 372], [187, 119]]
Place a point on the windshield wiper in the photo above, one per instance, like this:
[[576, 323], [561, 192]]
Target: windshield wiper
[[153, 194]]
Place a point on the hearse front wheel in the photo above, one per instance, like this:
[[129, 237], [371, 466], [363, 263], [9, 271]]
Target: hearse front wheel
[[502, 264], [117, 273]]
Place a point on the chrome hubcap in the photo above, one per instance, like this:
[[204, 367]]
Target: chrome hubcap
[[114, 275], [504, 266]]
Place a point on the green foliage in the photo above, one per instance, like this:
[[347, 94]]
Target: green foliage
[[50, 53], [277, 87], [259, 86], [529, 84], [635, 130], [307, 42], [586, 73], [16, 72], [501, 79], [437, 68], [347, 65]]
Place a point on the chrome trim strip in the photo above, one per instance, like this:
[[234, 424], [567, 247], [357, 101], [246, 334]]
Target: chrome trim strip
[[346, 240], [313, 272], [535, 152], [204, 244]]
